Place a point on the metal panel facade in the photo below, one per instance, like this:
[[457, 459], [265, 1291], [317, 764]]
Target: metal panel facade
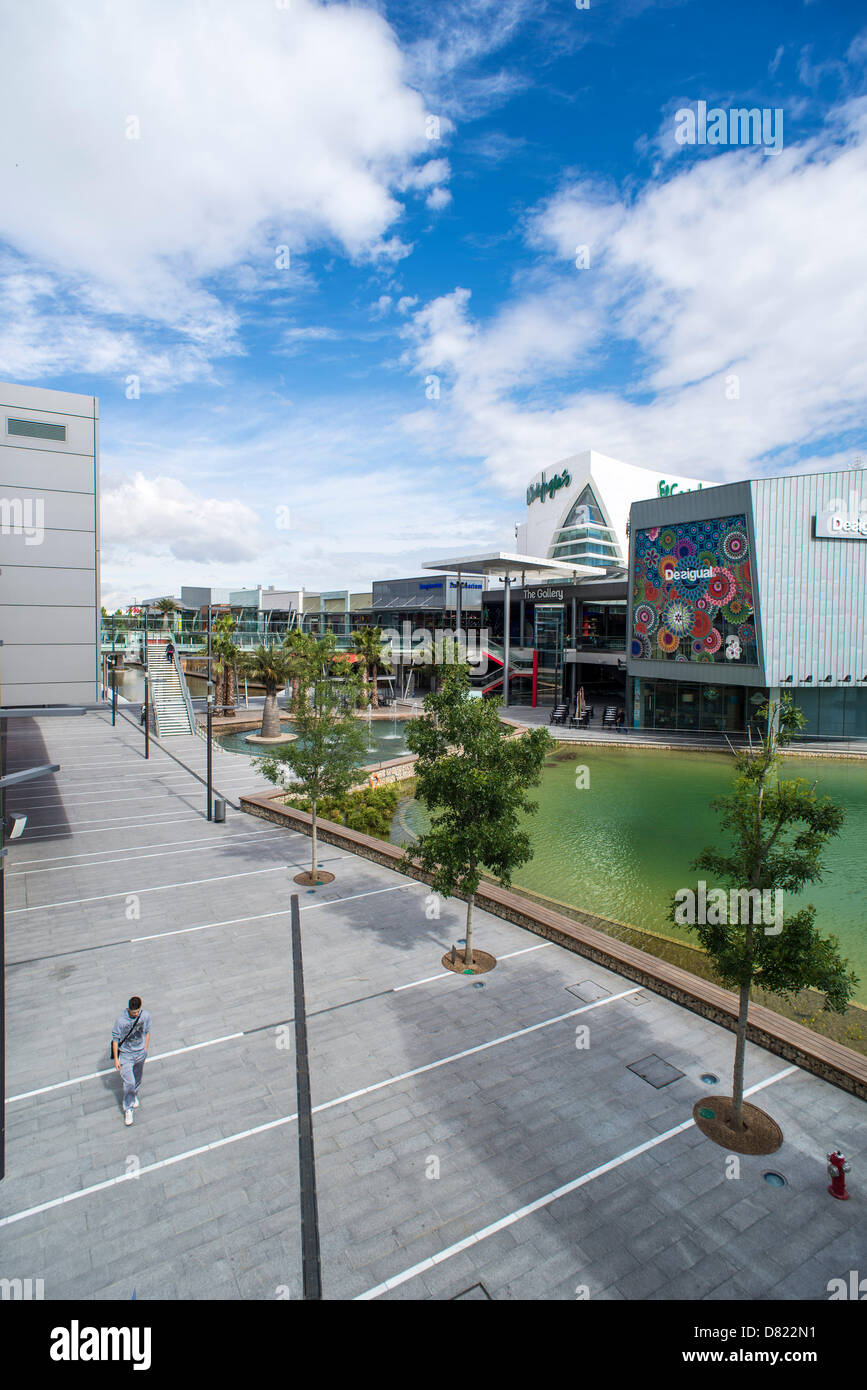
[[49, 573], [813, 591]]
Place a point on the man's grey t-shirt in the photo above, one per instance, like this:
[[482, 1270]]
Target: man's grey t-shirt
[[134, 1047]]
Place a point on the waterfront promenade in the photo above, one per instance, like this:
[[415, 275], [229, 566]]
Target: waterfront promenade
[[464, 1142]]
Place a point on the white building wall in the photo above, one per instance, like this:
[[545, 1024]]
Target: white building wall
[[49, 566], [616, 485]]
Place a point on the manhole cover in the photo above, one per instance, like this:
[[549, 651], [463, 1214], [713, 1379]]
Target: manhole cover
[[656, 1071], [474, 1291], [775, 1179], [588, 990], [709, 1079]]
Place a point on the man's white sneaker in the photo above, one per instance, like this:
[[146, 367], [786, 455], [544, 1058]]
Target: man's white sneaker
[[127, 1117], [135, 1104]]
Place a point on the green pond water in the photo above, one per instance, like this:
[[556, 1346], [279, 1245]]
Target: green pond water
[[622, 846]]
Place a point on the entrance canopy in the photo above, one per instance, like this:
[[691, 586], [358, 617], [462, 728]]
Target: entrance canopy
[[503, 562]]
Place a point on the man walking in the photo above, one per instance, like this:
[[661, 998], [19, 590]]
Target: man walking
[[130, 1037]]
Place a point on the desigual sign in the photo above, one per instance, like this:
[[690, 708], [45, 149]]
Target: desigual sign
[[840, 522], [547, 487]]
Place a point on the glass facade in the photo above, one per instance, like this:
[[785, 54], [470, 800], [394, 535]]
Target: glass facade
[[686, 705], [838, 712], [585, 535]]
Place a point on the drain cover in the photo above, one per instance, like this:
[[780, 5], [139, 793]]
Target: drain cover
[[775, 1179], [709, 1079], [656, 1071], [588, 990], [474, 1291]]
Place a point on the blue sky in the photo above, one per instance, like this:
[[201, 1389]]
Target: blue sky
[[428, 342]]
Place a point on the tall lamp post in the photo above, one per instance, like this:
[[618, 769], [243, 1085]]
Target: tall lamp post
[[210, 725], [147, 718]]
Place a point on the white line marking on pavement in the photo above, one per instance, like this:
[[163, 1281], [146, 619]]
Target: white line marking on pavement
[[227, 1037], [509, 1220], [317, 1109], [159, 888], [450, 974], [283, 912], [191, 847], [92, 1075], [109, 824]]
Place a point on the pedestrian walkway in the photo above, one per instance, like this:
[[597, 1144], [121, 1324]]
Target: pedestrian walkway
[[469, 1132]]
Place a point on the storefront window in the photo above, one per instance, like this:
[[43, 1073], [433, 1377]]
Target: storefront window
[[687, 705]]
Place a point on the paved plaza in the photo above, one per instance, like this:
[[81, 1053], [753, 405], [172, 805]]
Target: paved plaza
[[477, 1137]]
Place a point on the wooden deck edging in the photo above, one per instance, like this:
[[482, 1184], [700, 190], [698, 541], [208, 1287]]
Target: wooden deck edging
[[830, 1060]]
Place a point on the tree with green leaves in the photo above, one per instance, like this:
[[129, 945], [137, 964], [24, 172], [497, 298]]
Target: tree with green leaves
[[778, 830], [324, 760], [367, 643], [309, 657], [224, 665], [267, 666], [472, 774], [167, 607]]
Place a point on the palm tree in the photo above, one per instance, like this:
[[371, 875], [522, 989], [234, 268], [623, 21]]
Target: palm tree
[[166, 606], [268, 666], [225, 663], [367, 643], [309, 656]]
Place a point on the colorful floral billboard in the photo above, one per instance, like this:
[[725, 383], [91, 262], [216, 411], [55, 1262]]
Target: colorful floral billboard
[[692, 593]]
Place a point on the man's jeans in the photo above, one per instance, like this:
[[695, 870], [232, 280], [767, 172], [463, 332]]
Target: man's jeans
[[131, 1072]]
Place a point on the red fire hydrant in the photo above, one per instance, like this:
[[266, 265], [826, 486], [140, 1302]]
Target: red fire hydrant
[[837, 1170]]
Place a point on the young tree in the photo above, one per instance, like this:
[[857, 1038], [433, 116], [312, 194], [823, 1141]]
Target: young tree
[[325, 758], [368, 644], [778, 830], [268, 666], [472, 777]]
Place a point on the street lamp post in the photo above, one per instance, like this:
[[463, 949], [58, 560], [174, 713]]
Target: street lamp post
[[210, 720], [147, 718]]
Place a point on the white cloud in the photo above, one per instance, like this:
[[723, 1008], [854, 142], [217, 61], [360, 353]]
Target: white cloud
[[162, 517], [257, 126], [735, 266]]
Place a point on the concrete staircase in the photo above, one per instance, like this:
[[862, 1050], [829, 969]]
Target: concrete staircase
[[169, 698]]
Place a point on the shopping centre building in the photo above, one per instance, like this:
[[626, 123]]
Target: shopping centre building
[[687, 602], [750, 590]]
